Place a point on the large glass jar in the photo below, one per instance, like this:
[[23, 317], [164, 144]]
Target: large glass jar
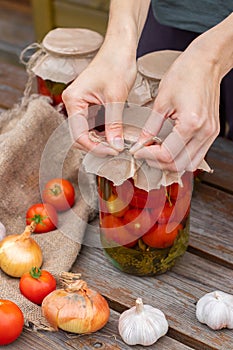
[[144, 233]]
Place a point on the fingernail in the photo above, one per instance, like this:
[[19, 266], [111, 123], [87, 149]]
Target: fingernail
[[118, 143]]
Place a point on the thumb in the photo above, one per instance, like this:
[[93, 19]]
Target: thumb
[[151, 128], [113, 125]]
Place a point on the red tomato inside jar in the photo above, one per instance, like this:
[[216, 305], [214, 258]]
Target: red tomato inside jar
[[144, 233], [51, 89]]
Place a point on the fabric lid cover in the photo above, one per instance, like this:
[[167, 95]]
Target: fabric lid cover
[[124, 166], [155, 64], [72, 41]]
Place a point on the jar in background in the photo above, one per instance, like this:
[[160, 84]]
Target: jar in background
[[144, 233], [62, 56], [151, 69]]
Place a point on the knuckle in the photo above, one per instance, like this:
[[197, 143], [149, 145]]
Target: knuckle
[[167, 157], [145, 133], [113, 126], [195, 123]]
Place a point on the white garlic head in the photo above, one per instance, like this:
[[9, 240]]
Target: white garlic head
[[2, 231], [216, 310], [142, 324]]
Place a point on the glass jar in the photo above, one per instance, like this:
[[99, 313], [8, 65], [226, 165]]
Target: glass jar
[[63, 54], [144, 233], [151, 69]]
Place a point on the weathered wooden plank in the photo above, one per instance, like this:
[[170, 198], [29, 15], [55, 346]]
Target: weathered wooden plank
[[174, 296], [13, 76], [108, 338], [16, 30], [212, 224], [220, 159], [9, 97], [12, 84]]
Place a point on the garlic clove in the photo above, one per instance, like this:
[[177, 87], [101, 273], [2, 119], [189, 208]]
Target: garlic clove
[[142, 324], [215, 309]]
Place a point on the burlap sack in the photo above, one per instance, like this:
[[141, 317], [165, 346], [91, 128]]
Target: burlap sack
[[34, 147]]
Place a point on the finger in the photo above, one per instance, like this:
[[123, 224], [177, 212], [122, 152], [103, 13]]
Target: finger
[[78, 124], [200, 154], [151, 128], [79, 130], [188, 159], [97, 148], [113, 125]]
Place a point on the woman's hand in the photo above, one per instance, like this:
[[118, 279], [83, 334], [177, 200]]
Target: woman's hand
[[108, 79], [107, 82], [189, 95]]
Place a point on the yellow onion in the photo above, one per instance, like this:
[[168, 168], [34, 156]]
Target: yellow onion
[[19, 253], [76, 308]]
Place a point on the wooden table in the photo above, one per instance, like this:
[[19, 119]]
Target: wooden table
[[205, 267]]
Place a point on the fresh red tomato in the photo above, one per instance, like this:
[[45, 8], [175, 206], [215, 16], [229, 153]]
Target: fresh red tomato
[[138, 221], [59, 193], [11, 321], [162, 235], [44, 215], [36, 284], [114, 230]]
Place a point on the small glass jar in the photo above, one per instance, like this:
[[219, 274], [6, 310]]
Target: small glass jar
[[63, 54], [151, 69], [144, 233]]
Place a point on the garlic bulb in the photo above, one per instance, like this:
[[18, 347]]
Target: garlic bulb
[[142, 324], [2, 231], [216, 310]]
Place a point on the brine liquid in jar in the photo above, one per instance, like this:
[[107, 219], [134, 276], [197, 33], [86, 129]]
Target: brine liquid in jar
[[144, 233]]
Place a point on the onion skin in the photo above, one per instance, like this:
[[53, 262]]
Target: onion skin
[[19, 253], [81, 311]]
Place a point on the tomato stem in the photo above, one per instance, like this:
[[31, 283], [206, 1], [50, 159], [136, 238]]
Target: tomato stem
[[56, 190], [168, 195], [38, 219], [35, 272]]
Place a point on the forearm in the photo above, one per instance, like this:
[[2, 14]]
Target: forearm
[[126, 21], [216, 46]]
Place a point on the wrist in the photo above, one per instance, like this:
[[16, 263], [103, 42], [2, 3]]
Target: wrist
[[215, 46]]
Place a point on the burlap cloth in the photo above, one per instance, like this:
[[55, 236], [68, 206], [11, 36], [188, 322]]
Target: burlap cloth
[[34, 147]]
